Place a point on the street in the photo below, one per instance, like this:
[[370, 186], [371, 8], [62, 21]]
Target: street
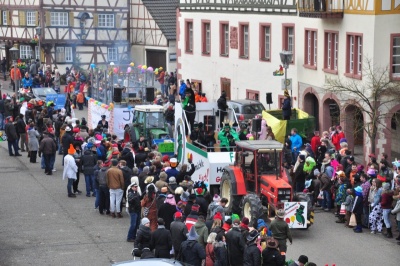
[[40, 225]]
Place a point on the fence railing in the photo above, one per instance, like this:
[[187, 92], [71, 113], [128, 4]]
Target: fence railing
[[320, 5]]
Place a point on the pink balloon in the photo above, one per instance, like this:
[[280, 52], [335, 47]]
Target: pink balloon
[[115, 70], [139, 66], [129, 70], [150, 69]]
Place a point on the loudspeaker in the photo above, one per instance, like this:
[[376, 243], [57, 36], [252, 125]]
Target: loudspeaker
[[333, 109], [256, 125], [117, 95], [149, 94], [269, 98]]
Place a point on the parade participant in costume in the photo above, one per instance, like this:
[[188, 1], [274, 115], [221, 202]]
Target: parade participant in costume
[[103, 122], [172, 171], [227, 136], [243, 131]]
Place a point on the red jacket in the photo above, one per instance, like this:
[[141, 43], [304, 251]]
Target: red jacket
[[387, 200], [315, 143], [336, 139]]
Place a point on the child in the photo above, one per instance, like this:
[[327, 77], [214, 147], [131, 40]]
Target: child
[[349, 204], [340, 196]]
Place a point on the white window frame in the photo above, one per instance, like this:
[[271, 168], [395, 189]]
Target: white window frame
[[207, 29], [190, 39], [112, 54], [290, 39], [30, 18], [314, 33], [395, 55], [106, 20], [359, 55], [267, 42], [37, 55], [308, 47], [351, 54], [226, 39], [25, 52], [4, 17], [245, 40], [59, 19], [329, 50], [66, 52], [335, 52]]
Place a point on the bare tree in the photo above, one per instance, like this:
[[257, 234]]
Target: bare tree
[[374, 95]]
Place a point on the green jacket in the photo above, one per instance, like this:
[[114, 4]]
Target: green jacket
[[280, 230], [228, 139], [202, 231]]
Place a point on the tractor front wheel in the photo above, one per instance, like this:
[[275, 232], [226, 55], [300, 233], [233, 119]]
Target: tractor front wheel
[[252, 208], [226, 190]]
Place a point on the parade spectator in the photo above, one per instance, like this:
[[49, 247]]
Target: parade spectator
[[193, 216], [167, 210], [104, 192], [161, 240], [236, 244], [358, 209], [12, 137], [201, 230], [280, 230], [33, 142], [386, 204], [297, 142], [3, 65], [143, 237], [115, 182], [133, 209], [47, 148], [375, 217], [252, 254], [20, 127], [70, 170], [192, 252], [210, 255], [15, 76], [178, 233], [271, 255], [88, 163], [149, 206], [315, 142], [301, 261]]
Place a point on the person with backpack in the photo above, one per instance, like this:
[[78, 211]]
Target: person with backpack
[[88, 162], [192, 252], [133, 209]]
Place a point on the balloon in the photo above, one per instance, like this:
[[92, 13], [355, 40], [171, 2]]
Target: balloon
[[144, 67], [287, 220], [106, 106], [139, 66], [103, 105], [129, 70], [115, 70], [100, 88], [95, 102], [292, 218], [156, 69], [112, 63], [92, 65], [132, 64], [156, 72], [143, 70], [150, 69]]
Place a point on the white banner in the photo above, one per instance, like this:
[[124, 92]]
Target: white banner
[[94, 115], [121, 117]]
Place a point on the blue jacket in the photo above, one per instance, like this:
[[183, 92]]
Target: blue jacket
[[296, 142], [377, 197], [182, 89], [27, 82]]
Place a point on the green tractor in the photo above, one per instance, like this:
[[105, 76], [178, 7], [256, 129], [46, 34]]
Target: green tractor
[[149, 121]]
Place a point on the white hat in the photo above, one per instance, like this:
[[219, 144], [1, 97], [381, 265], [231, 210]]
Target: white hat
[[67, 129]]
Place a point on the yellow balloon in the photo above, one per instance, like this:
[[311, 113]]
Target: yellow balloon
[[132, 64], [292, 219]]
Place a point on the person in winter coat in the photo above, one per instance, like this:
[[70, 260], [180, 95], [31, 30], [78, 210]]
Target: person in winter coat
[[286, 106], [227, 136], [192, 252], [193, 217], [178, 233], [271, 256], [127, 173], [252, 254], [70, 170], [12, 137], [88, 162], [201, 230], [262, 135], [386, 204], [326, 190], [20, 127], [127, 155], [133, 209], [236, 244], [47, 147], [210, 256], [33, 142], [66, 140], [104, 192], [280, 230], [299, 174], [340, 197], [220, 251], [184, 172], [161, 240], [375, 217], [167, 210], [143, 237], [348, 203], [358, 209], [149, 205], [396, 211], [217, 225]]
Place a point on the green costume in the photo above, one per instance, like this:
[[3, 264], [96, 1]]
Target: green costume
[[227, 138]]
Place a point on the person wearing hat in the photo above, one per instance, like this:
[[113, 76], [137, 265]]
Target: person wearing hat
[[172, 171], [162, 182], [299, 174], [301, 261], [161, 240], [115, 182], [143, 237], [167, 209], [193, 216], [192, 252], [386, 204], [357, 209], [201, 230], [227, 136], [252, 254], [70, 170], [134, 210], [190, 202], [286, 106], [66, 140], [178, 233], [103, 122], [271, 255], [236, 244], [280, 230], [341, 195]]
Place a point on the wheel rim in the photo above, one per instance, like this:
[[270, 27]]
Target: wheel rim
[[226, 191], [247, 210]]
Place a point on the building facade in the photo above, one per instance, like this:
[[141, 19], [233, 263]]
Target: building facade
[[234, 46], [78, 32]]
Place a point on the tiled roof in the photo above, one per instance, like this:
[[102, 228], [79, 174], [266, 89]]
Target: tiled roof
[[164, 14]]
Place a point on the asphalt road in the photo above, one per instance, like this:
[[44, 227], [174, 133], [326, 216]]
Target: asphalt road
[[40, 225]]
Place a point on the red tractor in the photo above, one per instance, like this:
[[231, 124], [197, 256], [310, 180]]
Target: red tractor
[[257, 183]]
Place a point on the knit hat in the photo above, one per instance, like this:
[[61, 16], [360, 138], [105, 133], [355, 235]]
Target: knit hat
[[261, 223], [217, 216], [371, 172], [178, 215], [358, 189], [172, 180], [199, 191], [89, 145], [71, 149], [216, 198], [184, 196], [386, 186], [316, 172], [245, 221], [145, 221], [195, 207], [192, 235], [165, 158], [235, 217]]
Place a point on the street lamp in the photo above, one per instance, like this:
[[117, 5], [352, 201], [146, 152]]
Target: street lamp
[[286, 59], [14, 53], [39, 33]]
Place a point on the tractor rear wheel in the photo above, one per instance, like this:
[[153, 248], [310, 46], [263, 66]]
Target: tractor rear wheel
[[233, 205], [252, 208]]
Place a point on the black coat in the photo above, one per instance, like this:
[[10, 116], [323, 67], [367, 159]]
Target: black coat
[[143, 237], [272, 257], [10, 131], [162, 243], [167, 211], [192, 252], [127, 172], [188, 208], [66, 140], [88, 162], [286, 107], [128, 157], [203, 205], [178, 234], [20, 126], [220, 254], [358, 205], [252, 255], [236, 245]]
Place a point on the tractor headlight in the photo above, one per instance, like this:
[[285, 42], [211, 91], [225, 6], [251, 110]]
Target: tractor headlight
[[280, 192], [287, 192]]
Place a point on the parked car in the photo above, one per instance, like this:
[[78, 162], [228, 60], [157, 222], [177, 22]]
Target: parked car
[[151, 262], [246, 109], [41, 93]]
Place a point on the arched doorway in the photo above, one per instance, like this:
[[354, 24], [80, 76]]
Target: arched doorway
[[395, 137], [311, 106], [354, 128], [331, 114]]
